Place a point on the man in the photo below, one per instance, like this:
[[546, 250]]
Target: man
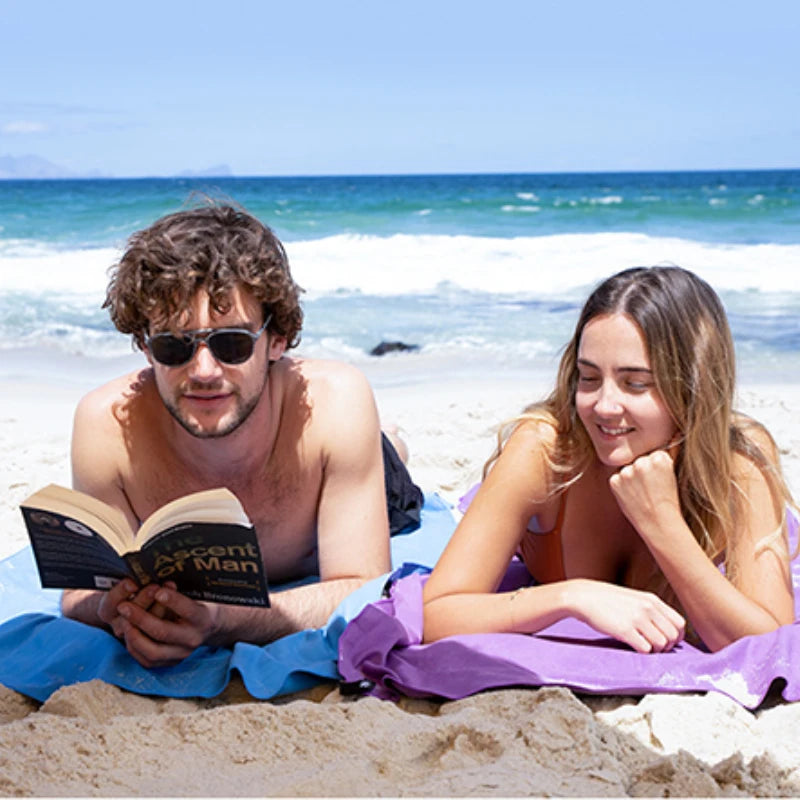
[[208, 296]]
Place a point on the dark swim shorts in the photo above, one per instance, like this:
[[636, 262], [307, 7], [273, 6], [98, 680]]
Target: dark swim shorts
[[403, 496]]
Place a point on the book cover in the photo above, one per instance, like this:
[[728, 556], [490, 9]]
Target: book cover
[[212, 561]]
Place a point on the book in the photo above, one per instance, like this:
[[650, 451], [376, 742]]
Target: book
[[204, 542]]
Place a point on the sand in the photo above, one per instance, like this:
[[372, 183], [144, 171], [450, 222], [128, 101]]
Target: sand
[[95, 739]]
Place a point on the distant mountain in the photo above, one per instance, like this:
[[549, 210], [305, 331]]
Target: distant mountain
[[217, 171], [31, 167], [25, 167]]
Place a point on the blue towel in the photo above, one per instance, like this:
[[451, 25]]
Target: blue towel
[[40, 651]]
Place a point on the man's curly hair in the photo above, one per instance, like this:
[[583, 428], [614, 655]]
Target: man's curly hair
[[215, 248]]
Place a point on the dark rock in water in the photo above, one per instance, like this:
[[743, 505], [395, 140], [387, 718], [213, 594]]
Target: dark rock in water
[[392, 347]]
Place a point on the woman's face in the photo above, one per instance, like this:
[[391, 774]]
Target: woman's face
[[616, 396]]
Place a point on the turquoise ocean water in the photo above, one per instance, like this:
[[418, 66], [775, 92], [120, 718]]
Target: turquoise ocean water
[[482, 271]]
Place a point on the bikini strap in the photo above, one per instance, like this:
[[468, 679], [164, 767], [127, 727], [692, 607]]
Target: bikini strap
[[542, 553]]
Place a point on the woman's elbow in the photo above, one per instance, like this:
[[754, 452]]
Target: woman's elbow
[[716, 643], [431, 621]]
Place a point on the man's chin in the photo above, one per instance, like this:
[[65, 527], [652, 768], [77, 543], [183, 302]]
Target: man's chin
[[207, 429], [210, 425], [204, 433], [216, 431]]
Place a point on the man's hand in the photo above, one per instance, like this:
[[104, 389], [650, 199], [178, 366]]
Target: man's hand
[[161, 627], [124, 590]]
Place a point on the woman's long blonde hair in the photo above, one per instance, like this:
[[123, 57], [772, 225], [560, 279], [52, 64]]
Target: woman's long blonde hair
[[691, 354]]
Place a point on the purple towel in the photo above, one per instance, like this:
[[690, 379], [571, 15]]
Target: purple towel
[[382, 646]]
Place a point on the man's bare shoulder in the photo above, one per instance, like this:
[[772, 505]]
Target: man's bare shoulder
[[105, 402], [338, 396], [103, 427], [327, 379], [321, 368]]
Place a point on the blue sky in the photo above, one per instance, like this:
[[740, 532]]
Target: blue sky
[[345, 87]]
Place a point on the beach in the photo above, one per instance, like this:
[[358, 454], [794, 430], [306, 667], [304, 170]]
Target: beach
[[484, 275], [451, 180], [98, 740]]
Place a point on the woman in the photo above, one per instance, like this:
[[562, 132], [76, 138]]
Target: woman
[[629, 487]]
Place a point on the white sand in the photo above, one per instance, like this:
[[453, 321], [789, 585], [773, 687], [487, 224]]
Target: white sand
[[95, 739]]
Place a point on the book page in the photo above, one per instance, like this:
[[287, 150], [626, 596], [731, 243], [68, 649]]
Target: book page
[[211, 505], [108, 522]]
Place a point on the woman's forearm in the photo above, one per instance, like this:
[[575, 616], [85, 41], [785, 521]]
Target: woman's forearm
[[719, 612], [640, 619], [522, 611]]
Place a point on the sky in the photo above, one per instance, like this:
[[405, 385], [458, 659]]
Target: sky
[[306, 87]]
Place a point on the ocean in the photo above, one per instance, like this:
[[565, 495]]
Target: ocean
[[482, 273]]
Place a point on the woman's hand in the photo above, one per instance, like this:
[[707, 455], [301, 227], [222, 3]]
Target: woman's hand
[[640, 619], [647, 493]]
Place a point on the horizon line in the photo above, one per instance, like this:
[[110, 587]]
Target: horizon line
[[231, 176]]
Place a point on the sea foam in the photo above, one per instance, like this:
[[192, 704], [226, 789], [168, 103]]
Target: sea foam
[[406, 264], [461, 297]]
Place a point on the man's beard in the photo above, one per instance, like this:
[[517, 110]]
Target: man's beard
[[243, 409]]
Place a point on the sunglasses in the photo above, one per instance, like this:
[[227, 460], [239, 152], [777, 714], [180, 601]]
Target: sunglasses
[[227, 345]]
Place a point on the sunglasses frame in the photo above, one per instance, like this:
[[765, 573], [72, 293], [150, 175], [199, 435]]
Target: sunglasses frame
[[205, 335]]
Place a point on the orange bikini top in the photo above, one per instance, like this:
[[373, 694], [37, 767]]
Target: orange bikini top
[[542, 553]]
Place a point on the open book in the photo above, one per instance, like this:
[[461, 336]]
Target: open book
[[203, 542]]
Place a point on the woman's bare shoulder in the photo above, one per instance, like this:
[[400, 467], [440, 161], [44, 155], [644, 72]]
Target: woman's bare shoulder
[[758, 442], [523, 467], [532, 432]]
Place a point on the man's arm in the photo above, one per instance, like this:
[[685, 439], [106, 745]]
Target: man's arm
[[353, 525], [95, 458], [160, 626]]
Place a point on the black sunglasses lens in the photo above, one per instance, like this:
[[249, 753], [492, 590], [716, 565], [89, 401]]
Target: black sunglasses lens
[[171, 350], [231, 347]]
